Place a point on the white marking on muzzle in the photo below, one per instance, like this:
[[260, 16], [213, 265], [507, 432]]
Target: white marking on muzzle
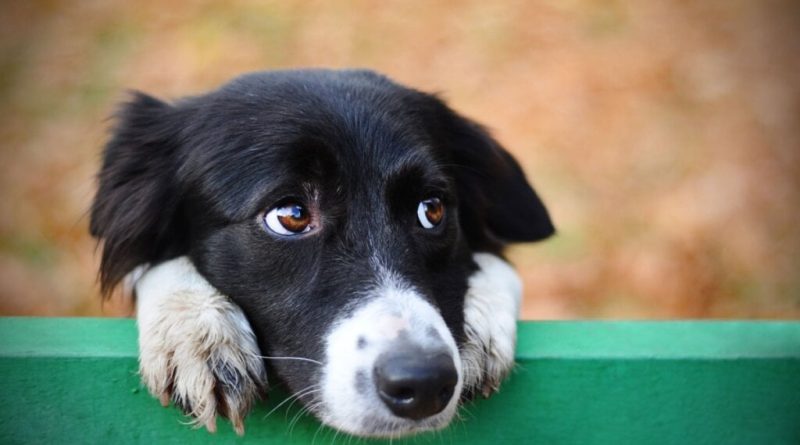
[[350, 400]]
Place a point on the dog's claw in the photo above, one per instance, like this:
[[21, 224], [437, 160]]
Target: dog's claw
[[238, 427], [211, 425]]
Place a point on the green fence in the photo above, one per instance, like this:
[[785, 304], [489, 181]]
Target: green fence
[[74, 381]]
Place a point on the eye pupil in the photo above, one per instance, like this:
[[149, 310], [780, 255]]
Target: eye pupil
[[433, 210]]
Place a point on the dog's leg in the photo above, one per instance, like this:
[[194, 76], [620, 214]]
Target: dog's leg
[[196, 346], [491, 308]]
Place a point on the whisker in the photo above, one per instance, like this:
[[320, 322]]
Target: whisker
[[320, 428], [299, 396], [294, 397], [314, 438], [301, 359], [464, 413], [303, 411], [306, 410]]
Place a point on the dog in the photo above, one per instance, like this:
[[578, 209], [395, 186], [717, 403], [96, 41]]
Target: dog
[[331, 228]]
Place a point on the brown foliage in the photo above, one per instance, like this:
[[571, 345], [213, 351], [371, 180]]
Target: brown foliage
[[664, 135]]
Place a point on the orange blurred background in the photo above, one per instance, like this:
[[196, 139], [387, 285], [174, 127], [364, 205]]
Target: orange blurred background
[[663, 135]]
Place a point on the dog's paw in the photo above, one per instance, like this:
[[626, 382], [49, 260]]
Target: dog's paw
[[196, 347], [491, 307]]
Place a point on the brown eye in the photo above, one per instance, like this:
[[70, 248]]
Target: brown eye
[[288, 219], [430, 212]]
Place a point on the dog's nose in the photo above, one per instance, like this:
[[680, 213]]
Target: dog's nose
[[414, 384]]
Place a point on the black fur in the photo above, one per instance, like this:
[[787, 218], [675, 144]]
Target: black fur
[[195, 177]]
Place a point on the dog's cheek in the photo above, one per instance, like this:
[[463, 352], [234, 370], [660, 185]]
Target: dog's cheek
[[244, 262], [449, 291], [293, 350]]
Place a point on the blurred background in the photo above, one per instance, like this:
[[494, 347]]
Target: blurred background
[[663, 135]]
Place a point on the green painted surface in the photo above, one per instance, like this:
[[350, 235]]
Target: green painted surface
[[74, 381]]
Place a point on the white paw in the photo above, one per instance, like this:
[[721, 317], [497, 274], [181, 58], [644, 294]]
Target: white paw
[[196, 346], [491, 307]]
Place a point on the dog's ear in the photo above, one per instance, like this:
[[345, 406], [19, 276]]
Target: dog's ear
[[494, 195], [136, 204]]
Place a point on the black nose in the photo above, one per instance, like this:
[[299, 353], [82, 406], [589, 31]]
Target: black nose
[[415, 384]]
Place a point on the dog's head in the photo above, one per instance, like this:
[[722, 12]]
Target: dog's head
[[341, 211]]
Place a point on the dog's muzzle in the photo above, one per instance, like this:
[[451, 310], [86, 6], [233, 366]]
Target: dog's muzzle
[[392, 367]]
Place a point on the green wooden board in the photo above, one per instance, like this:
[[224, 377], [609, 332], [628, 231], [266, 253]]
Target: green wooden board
[[75, 381]]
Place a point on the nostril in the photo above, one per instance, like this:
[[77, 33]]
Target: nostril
[[414, 384]]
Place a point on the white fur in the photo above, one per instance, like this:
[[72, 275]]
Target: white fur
[[187, 330], [491, 309], [393, 308]]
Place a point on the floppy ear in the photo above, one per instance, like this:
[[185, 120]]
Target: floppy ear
[[496, 202], [136, 204]]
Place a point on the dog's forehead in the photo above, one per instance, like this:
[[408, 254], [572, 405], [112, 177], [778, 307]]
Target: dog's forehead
[[347, 134]]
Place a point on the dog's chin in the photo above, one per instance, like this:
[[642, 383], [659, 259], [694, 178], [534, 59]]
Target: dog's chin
[[368, 418], [390, 427]]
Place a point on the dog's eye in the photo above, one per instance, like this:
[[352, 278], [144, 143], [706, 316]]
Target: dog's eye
[[430, 212], [288, 219]]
